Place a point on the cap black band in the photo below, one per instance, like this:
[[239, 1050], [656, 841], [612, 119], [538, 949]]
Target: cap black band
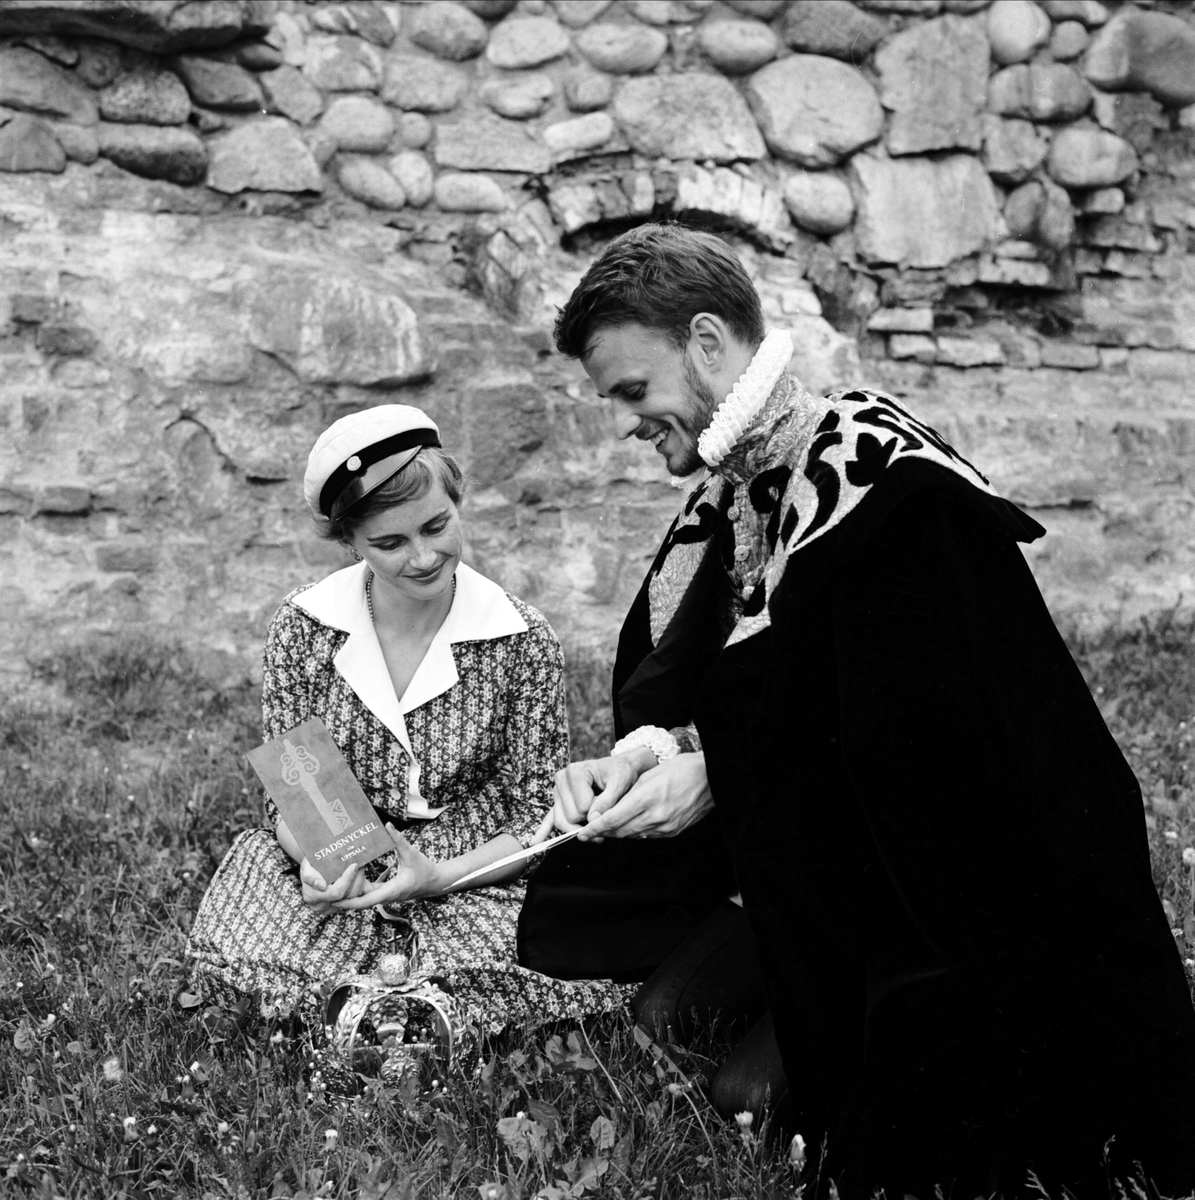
[[346, 486]]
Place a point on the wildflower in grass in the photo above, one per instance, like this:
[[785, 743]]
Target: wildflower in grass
[[130, 1128], [796, 1151], [112, 1071], [225, 1138], [744, 1120], [1189, 856], [330, 1136], [1171, 835]]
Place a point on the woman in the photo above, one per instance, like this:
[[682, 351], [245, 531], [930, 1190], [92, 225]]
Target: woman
[[445, 695]]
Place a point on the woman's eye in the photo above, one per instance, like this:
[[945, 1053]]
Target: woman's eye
[[438, 527]]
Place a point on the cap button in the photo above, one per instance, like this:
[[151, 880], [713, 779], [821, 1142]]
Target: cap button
[[353, 464]]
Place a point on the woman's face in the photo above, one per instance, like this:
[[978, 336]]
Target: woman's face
[[415, 547]]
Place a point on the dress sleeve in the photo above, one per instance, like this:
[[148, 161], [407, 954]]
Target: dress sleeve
[[285, 696], [536, 731]]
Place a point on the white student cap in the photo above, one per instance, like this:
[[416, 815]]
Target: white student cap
[[357, 454]]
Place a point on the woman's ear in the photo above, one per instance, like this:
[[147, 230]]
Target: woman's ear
[[352, 550]]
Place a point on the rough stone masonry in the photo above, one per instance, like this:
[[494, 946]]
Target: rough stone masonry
[[225, 224]]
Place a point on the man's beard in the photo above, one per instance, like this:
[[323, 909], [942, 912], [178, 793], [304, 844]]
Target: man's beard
[[703, 402]]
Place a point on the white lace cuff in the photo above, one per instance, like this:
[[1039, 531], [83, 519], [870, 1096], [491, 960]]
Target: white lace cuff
[[659, 741]]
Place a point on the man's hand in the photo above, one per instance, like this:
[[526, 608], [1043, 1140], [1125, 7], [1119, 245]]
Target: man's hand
[[320, 895], [662, 802], [595, 781]]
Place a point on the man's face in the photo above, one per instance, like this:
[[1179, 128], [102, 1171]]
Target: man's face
[[659, 393]]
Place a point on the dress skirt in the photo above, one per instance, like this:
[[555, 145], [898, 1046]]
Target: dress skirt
[[253, 933]]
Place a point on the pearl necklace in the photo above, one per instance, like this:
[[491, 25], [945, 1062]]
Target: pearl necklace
[[369, 595]]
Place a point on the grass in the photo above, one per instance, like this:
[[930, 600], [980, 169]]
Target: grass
[[124, 783]]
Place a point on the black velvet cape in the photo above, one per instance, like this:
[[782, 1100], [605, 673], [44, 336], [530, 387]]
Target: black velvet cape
[[942, 854]]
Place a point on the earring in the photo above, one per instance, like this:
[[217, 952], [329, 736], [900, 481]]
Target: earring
[[353, 552]]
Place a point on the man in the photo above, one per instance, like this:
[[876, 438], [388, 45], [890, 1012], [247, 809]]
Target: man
[[939, 847]]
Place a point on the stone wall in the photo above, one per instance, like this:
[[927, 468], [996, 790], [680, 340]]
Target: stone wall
[[224, 224]]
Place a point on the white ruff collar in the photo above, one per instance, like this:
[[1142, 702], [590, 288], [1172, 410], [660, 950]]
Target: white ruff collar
[[733, 417]]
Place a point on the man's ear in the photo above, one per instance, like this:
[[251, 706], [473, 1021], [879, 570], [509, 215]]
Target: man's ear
[[709, 340]]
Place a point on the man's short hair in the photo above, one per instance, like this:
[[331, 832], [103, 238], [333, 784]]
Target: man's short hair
[[660, 276]]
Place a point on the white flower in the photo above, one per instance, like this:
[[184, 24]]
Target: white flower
[[112, 1071], [747, 397], [1171, 835], [796, 1151], [1189, 856], [744, 1120], [330, 1136]]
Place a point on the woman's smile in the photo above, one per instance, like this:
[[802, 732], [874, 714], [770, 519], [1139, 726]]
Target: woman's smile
[[427, 576]]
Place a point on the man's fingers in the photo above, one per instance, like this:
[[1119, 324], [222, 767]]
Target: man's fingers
[[618, 818], [575, 786]]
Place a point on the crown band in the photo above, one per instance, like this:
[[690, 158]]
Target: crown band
[[372, 467]]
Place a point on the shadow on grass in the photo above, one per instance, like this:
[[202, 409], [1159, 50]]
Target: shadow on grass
[[124, 788]]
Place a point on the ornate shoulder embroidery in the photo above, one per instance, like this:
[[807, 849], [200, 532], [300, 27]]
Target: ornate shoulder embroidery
[[858, 435], [681, 553]]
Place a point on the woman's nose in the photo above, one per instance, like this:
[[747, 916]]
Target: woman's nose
[[423, 555], [625, 421]]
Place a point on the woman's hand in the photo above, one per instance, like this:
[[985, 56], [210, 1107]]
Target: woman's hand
[[596, 783], [322, 896], [413, 875]]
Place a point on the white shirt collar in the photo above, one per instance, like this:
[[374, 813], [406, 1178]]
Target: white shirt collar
[[480, 611]]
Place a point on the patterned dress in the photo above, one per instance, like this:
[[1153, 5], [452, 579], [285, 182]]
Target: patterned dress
[[487, 731]]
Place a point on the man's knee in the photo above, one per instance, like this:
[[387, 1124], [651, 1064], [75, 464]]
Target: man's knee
[[752, 1079], [711, 975]]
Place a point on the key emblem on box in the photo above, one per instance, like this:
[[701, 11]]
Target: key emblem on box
[[320, 800]]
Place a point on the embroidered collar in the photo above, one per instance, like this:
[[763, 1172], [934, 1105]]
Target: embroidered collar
[[784, 424], [735, 415]]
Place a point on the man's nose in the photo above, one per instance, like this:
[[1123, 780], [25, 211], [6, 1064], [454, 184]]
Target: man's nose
[[625, 421]]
